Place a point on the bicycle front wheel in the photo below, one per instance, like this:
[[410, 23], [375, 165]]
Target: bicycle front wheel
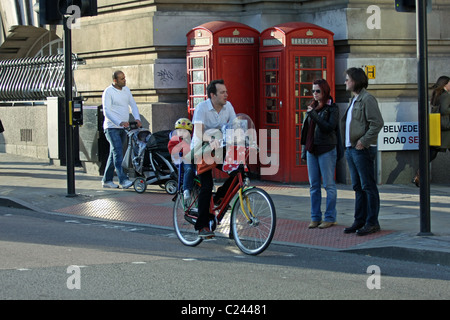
[[253, 229], [184, 219]]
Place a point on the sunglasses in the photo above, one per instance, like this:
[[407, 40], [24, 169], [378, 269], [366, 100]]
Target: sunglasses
[[316, 91]]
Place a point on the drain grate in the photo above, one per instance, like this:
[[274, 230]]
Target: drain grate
[[26, 135]]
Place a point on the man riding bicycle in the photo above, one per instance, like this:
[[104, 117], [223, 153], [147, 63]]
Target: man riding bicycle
[[213, 113]]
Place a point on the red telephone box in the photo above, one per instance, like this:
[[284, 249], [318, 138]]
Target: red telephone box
[[292, 56], [224, 50]]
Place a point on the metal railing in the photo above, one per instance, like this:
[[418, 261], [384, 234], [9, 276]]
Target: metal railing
[[33, 78]]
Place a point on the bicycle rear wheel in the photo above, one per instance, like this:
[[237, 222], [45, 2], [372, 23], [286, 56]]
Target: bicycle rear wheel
[[184, 221], [254, 233]]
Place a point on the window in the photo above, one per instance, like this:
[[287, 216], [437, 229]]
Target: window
[[197, 82]]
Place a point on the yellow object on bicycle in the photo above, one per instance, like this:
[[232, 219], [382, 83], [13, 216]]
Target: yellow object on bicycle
[[242, 205]]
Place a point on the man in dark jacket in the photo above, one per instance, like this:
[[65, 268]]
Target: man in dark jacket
[[360, 125]]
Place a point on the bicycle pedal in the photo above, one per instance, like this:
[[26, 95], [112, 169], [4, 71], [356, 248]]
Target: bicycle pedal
[[189, 219]]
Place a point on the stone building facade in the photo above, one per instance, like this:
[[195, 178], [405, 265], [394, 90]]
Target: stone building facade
[[147, 40]]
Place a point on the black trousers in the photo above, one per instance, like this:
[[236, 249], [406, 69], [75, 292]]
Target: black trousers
[[204, 198]]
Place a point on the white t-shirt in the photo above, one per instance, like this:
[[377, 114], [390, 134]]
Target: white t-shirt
[[116, 107], [347, 124], [211, 119]]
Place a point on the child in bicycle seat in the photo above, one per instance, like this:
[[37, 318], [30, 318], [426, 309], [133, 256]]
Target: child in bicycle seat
[[180, 143]]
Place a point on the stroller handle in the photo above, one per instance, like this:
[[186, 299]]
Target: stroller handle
[[133, 126]]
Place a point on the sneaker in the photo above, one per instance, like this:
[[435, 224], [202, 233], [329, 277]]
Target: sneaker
[[327, 224], [126, 184], [206, 233], [186, 194], [109, 184]]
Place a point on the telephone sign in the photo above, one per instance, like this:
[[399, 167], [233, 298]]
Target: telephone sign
[[224, 50]]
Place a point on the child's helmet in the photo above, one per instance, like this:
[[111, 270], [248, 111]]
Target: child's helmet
[[184, 123]]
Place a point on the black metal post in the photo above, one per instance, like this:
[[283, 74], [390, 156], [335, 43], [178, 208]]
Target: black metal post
[[424, 144], [68, 98]]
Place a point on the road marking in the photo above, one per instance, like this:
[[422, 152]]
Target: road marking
[[106, 226]]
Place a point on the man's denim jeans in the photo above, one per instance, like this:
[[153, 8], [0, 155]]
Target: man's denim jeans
[[116, 139], [322, 168], [361, 164]]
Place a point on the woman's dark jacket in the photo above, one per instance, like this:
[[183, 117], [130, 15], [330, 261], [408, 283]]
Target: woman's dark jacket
[[326, 131]]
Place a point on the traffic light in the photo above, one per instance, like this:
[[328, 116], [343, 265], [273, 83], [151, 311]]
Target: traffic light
[[48, 12], [87, 7], [409, 5], [52, 11], [405, 5]]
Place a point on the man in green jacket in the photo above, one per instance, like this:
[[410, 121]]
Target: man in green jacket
[[360, 125]]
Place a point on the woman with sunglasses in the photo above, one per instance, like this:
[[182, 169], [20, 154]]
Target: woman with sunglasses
[[319, 140]]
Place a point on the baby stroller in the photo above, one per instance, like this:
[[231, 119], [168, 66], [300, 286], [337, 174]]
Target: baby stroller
[[147, 155]]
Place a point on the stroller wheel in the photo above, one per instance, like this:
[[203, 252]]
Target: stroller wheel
[[171, 186], [140, 185]]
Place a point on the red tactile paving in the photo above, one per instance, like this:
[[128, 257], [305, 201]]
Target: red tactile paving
[[294, 231], [156, 209]]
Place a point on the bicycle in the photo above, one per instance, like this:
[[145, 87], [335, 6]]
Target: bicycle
[[252, 219]]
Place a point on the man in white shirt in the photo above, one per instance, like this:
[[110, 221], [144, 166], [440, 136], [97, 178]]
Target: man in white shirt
[[117, 103], [209, 115]]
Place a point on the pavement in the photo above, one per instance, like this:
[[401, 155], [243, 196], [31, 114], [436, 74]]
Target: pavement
[[40, 186]]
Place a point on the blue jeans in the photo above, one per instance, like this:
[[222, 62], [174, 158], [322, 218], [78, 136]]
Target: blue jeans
[[188, 176], [361, 164], [116, 139], [322, 167]]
